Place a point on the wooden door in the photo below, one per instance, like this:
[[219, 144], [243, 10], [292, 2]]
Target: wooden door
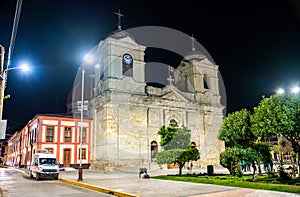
[[67, 158]]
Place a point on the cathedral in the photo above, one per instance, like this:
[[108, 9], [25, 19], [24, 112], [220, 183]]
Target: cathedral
[[127, 113]]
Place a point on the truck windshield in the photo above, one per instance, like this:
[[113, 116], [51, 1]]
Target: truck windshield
[[51, 161]]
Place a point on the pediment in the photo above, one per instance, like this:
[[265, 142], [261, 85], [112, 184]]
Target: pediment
[[122, 36], [174, 96], [206, 61], [128, 39]]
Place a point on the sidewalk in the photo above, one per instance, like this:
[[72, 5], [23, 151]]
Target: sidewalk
[[128, 183]]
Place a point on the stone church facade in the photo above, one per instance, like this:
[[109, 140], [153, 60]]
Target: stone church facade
[[127, 113]]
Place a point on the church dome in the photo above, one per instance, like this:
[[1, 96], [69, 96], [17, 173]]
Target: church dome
[[75, 93]]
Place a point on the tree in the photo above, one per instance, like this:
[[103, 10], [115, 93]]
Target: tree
[[279, 115], [176, 144], [230, 159], [241, 143], [235, 129]]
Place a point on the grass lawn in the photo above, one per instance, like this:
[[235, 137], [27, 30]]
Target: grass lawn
[[263, 182]]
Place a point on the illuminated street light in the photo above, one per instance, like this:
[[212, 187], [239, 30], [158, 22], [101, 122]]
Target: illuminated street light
[[3, 77], [24, 67], [280, 91], [295, 90]]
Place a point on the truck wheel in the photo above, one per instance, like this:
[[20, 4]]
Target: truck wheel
[[30, 174]]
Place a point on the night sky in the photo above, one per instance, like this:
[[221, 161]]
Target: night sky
[[256, 45]]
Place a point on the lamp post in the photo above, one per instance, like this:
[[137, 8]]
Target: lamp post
[[83, 105], [2, 84], [81, 124]]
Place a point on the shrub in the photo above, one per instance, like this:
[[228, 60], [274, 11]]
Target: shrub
[[283, 175], [271, 174]]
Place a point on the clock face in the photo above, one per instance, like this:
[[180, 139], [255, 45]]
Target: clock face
[[127, 59]]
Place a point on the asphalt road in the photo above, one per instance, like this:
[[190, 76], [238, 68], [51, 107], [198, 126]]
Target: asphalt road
[[17, 184]]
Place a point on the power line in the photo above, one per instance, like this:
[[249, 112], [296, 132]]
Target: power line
[[14, 31], [16, 123]]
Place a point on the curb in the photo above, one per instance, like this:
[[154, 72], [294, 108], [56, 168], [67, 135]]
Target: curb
[[97, 188], [3, 166]]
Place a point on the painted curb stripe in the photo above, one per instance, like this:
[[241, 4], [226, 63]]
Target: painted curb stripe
[[97, 188]]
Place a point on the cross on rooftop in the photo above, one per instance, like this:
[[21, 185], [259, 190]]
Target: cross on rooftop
[[170, 79], [119, 19]]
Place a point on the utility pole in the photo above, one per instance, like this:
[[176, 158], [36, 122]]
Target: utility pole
[[2, 83], [2, 88]]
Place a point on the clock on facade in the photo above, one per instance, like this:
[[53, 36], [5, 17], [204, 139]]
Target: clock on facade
[[127, 59]]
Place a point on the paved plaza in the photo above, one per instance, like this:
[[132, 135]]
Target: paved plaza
[[129, 182]]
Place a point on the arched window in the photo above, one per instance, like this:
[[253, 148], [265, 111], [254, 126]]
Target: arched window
[[205, 82], [127, 65], [173, 123], [193, 145], [154, 150]]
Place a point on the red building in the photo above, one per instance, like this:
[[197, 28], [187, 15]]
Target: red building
[[57, 133]]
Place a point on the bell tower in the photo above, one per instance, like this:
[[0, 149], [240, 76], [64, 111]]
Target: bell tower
[[118, 118], [121, 64], [199, 75]]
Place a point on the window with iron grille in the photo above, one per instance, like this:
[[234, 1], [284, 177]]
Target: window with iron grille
[[84, 134], [49, 133], [83, 153], [68, 134]]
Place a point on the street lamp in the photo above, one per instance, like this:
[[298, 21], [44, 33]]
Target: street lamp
[[3, 76], [280, 91], [3, 82], [83, 105], [294, 90]]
